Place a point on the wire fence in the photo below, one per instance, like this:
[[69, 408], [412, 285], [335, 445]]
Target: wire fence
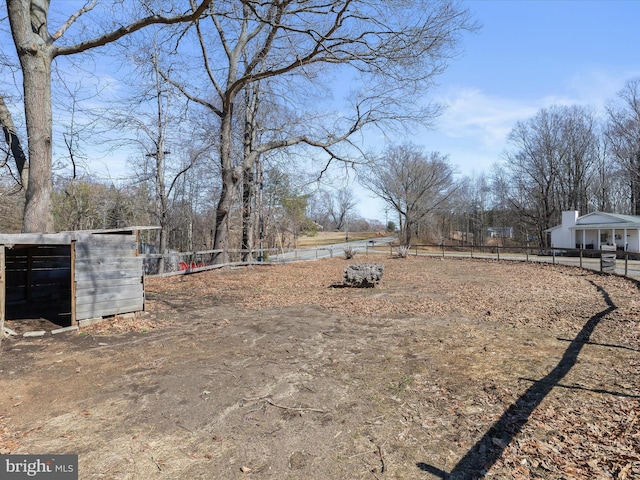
[[605, 260], [177, 263]]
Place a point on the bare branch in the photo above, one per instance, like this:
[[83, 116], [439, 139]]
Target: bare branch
[[205, 59], [133, 27], [190, 96], [88, 7]]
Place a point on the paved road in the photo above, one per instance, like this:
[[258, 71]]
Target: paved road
[[632, 268], [328, 251]]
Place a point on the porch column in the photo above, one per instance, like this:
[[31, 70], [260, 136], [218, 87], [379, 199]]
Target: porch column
[[625, 240], [584, 238], [599, 243], [613, 236]]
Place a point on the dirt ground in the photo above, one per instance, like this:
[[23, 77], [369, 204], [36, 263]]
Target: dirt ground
[[453, 368]]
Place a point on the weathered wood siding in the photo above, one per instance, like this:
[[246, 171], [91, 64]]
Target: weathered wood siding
[[107, 276]]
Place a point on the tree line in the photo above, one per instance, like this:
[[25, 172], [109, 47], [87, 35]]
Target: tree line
[[234, 87], [566, 157], [245, 117]]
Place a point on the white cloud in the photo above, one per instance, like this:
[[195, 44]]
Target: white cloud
[[488, 119], [596, 87], [474, 128]]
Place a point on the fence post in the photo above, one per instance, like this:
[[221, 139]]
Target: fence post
[[601, 261], [526, 253], [626, 261], [581, 258], [553, 254], [498, 250], [471, 251], [443, 249], [416, 250]]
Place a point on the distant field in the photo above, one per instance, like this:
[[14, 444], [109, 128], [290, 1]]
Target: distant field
[[328, 238]]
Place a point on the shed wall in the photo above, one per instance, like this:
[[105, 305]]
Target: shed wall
[[107, 276]]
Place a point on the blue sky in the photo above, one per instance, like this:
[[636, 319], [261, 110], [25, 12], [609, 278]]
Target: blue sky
[[528, 55]]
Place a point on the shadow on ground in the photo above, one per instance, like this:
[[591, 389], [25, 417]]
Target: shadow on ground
[[484, 454]]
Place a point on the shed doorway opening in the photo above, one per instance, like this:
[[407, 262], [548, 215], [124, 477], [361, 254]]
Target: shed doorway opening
[[39, 283]]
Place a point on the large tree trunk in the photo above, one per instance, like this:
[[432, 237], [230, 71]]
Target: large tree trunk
[[249, 163], [35, 54], [408, 232], [223, 211], [248, 227], [38, 216], [230, 181]]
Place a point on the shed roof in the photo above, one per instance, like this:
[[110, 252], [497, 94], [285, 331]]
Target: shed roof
[[63, 238]]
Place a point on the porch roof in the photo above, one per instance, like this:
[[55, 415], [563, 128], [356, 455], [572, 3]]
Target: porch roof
[[607, 226], [606, 221]]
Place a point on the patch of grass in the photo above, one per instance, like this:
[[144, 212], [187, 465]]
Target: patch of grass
[[401, 384]]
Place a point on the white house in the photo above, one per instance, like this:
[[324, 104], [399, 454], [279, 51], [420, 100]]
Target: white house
[[500, 232], [594, 230]]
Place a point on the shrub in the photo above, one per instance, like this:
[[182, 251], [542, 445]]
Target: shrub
[[349, 252]]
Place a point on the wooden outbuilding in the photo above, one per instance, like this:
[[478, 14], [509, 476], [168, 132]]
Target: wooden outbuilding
[[71, 276]]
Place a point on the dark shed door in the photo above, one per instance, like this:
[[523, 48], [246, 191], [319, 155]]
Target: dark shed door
[[38, 283]]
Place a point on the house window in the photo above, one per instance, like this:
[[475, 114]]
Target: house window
[[604, 237]]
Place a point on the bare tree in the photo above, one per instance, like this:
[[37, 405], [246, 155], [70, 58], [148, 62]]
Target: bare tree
[[414, 184], [286, 206], [582, 144], [85, 203], [338, 206], [534, 165], [623, 134], [551, 165], [470, 205], [37, 48], [394, 48]]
